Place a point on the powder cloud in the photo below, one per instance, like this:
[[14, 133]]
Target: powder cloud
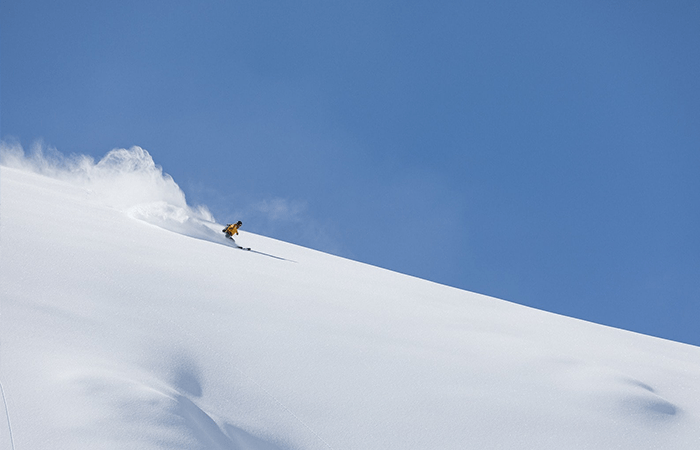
[[125, 179]]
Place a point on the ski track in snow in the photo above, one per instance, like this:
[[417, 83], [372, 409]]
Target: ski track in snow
[[7, 416]]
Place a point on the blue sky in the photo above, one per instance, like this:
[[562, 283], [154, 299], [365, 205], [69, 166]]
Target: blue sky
[[545, 152]]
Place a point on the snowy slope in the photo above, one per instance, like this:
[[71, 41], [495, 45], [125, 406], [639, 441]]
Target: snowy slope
[[127, 321]]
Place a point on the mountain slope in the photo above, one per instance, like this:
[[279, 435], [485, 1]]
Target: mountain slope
[[128, 322]]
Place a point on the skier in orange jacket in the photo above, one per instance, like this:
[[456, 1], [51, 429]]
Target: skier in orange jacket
[[232, 229]]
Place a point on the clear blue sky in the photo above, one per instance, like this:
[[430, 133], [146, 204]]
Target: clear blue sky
[[543, 152]]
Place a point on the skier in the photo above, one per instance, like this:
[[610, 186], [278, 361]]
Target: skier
[[232, 229]]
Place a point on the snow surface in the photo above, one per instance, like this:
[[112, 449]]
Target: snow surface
[[128, 321]]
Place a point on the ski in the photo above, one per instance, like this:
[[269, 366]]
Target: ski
[[236, 245], [239, 247]]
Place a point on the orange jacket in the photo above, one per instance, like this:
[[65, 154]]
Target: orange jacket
[[232, 229]]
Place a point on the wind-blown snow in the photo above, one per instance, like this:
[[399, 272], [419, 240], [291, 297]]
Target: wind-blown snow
[[126, 179], [115, 333]]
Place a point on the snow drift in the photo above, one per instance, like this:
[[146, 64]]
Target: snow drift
[[117, 334]]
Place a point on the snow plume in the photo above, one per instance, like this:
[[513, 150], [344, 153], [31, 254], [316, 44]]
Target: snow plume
[[125, 179]]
